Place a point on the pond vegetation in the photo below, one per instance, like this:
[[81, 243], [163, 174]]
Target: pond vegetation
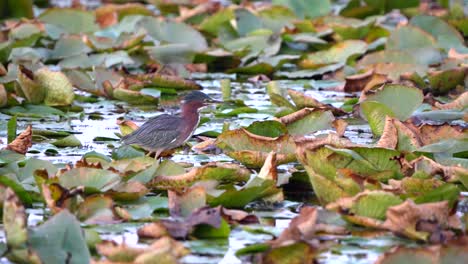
[[341, 136]]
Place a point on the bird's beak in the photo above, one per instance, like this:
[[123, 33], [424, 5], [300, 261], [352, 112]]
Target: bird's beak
[[213, 101]]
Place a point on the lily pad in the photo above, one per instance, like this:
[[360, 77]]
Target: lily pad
[[338, 53], [252, 150], [401, 100], [74, 21], [94, 180]]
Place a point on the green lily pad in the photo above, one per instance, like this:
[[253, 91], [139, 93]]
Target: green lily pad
[[267, 128], [447, 37], [74, 21], [68, 141], [306, 121], [374, 204], [338, 53], [401, 100], [94, 180], [304, 8], [375, 113], [68, 243]]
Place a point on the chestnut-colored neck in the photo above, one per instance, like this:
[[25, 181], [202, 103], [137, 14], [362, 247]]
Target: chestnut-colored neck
[[190, 111], [190, 118]]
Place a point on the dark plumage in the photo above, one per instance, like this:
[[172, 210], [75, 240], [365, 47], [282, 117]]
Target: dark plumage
[[165, 132]]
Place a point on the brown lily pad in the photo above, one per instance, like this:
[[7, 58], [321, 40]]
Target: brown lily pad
[[22, 142]]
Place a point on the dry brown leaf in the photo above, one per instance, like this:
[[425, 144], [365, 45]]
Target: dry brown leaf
[[392, 128], [430, 167], [108, 15], [412, 220], [268, 171], [206, 146], [128, 123], [152, 230], [58, 198], [22, 142], [182, 203], [340, 126], [182, 228], [364, 81], [460, 103], [204, 8], [304, 144], [302, 100], [434, 133], [167, 182], [429, 254], [453, 54], [238, 217], [164, 248], [301, 227]]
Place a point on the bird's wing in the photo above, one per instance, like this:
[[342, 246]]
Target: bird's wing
[[155, 133]]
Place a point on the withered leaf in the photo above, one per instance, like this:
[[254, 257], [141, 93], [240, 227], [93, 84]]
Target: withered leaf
[[22, 142]]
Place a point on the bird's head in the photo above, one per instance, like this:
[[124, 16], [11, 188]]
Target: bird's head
[[196, 99]]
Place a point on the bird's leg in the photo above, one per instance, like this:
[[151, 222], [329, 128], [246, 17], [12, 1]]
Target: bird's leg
[[156, 156]]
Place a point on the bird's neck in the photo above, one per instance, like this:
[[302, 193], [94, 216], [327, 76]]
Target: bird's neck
[[190, 113]]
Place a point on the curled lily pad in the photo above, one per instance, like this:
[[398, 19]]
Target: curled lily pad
[[461, 103], [376, 113], [443, 81], [398, 136], [302, 100], [14, 220], [404, 219], [31, 89], [324, 158], [252, 150], [52, 88], [213, 171], [97, 209]]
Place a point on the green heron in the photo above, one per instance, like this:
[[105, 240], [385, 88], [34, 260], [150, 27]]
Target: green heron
[[165, 132]]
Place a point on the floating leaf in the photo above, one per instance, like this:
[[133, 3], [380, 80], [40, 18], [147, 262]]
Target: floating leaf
[[68, 243], [447, 37], [73, 21], [94, 180], [22, 142], [252, 149], [303, 8], [401, 100], [307, 120], [68, 141], [223, 172], [338, 53]]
